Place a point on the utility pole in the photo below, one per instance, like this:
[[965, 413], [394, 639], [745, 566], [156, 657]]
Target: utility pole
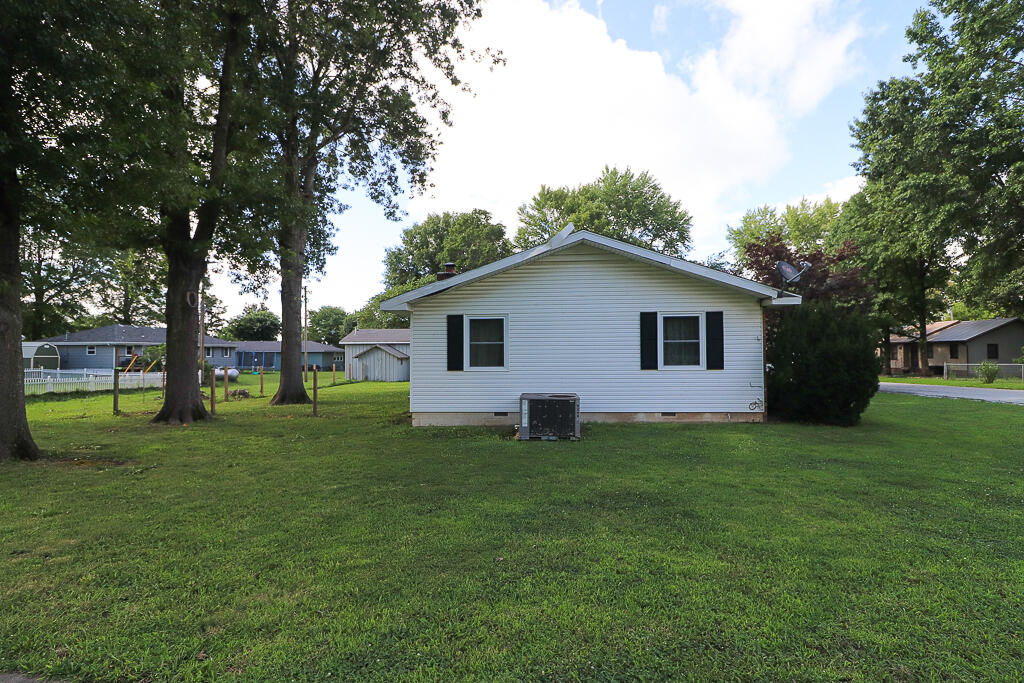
[[305, 333]]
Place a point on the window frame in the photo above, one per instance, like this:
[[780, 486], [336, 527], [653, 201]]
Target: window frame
[[90, 350], [701, 341], [208, 351], [954, 350], [225, 352], [988, 352], [465, 341]]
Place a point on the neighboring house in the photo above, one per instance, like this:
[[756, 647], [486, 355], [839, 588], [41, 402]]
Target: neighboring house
[[638, 335], [377, 355], [998, 340], [114, 345], [267, 354], [903, 348]]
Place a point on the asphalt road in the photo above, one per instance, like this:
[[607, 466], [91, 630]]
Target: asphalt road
[[941, 391]]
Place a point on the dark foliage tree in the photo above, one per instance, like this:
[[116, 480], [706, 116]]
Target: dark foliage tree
[[346, 86], [627, 206], [131, 286], [822, 366], [469, 240], [330, 324], [50, 69], [255, 323], [59, 281]]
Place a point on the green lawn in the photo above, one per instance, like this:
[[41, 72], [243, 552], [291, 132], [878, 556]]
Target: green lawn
[[272, 546], [1002, 383]]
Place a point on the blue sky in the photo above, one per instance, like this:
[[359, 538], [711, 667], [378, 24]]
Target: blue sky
[[729, 103]]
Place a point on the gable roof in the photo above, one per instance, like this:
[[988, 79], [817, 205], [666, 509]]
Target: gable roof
[[931, 328], [372, 335], [564, 240], [124, 334], [967, 330], [275, 347], [386, 348]]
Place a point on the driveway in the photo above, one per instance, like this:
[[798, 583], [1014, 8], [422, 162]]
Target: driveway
[[941, 391]]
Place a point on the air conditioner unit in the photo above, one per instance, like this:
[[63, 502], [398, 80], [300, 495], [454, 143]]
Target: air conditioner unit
[[549, 416]]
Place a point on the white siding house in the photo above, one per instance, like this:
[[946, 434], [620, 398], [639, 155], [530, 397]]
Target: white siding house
[[377, 355], [638, 335]]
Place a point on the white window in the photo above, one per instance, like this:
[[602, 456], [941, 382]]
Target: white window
[[90, 350], [225, 352], [338, 357], [209, 352], [129, 350], [485, 342], [681, 345]]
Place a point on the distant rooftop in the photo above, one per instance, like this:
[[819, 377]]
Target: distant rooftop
[[125, 334], [967, 330], [372, 335], [275, 347]]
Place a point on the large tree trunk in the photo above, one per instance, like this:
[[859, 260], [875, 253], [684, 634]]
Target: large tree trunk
[[888, 350], [183, 402], [15, 438], [922, 345], [293, 249]]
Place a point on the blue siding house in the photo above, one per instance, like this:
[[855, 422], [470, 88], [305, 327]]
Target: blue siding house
[[114, 345], [267, 354]]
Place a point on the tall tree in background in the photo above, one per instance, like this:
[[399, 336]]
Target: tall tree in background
[[330, 324], [48, 70], [59, 277], [803, 226], [133, 286], [346, 85], [915, 211], [254, 323], [469, 240], [186, 125], [627, 206], [969, 64]]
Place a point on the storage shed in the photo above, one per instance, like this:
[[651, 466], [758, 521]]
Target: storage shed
[[377, 355], [40, 355]]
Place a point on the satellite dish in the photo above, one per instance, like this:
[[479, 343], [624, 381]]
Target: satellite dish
[[789, 273]]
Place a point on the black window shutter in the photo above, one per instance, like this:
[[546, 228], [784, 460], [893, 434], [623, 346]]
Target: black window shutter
[[716, 340], [649, 341], [455, 331]]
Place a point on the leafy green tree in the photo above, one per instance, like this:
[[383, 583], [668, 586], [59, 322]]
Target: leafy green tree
[[254, 323], [330, 324], [370, 315], [60, 279], [969, 63], [132, 287], [469, 240], [627, 206], [51, 69], [214, 312], [804, 226]]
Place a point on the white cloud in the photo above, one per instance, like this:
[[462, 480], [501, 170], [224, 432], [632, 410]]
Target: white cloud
[[571, 99], [659, 19]]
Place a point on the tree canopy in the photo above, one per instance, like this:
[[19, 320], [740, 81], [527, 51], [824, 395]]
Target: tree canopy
[[330, 324], [624, 205], [254, 323], [469, 240], [804, 226]]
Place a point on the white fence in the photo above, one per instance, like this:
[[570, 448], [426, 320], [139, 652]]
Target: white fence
[[970, 370], [43, 381]]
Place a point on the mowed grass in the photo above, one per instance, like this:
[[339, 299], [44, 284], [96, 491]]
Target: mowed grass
[[272, 546], [1000, 383]]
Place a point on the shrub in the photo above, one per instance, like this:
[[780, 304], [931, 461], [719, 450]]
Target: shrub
[[822, 365], [987, 371]]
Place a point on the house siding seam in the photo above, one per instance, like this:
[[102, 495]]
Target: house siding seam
[[573, 326]]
